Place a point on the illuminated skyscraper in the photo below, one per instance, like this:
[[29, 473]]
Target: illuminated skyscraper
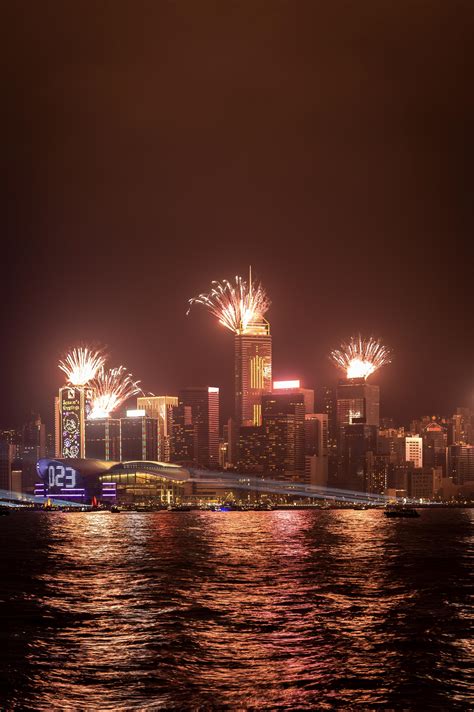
[[253, 371], [356, 441], [57, 428], [414, 450], [251, 449], [74, 407], [161, 408], [31, 447], [357, 402], [435, 441], [198, 408], [103, 438], [138, 437], [295, 387], [7, 455], [358, 419], [461, 464], [182, 434], [316, 449], [283, 417]]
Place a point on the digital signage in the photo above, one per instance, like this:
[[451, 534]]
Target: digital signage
[[74, 404]]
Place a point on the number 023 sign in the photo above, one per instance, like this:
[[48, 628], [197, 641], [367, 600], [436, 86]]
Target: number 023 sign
[[61, 477]]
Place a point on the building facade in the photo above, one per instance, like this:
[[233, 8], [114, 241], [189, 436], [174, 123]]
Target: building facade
[[316, 449], [197, 430], [138, 438], [414, 450], [160, 408], [252, 372], [103, 438], [358, 402], [74, 404], [283, 416]]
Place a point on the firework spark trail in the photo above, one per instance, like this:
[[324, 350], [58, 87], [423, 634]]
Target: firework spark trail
[[81, 365], [359, 357], [112, 387], [236, 305]]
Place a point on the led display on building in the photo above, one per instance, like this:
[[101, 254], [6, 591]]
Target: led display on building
[[74, 405]]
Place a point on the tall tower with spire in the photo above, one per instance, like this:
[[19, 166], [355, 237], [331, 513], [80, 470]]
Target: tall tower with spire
[[252, 369]]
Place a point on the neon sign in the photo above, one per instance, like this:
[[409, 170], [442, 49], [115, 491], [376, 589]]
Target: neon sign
[[61, 477]]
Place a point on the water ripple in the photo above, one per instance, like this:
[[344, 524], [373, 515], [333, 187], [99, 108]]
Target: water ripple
[[243, 610]]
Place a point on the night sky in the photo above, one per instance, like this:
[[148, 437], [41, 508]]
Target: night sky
[[154, 146]]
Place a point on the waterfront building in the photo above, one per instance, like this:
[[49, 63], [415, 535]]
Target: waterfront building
[[138, 437], [198, 409], [377, 472], [182, 434], [434, 445], [316, 449], [160, 408], [31, 445], [133, 482], [425, 482], [7, 456], [460, 464], [283, 416], [74, 404], [414, 450], [251, 449], [103, 437], [356, 440]]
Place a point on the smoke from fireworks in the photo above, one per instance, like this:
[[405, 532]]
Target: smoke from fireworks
[[235, 305], [112, 387], [360, 357], [81, 365]]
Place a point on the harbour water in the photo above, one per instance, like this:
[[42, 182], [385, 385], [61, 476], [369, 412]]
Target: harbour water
[[236, 610]]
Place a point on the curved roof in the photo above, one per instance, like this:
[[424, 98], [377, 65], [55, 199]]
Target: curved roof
[[93, 468]]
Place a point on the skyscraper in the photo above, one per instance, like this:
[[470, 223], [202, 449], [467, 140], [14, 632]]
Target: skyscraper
[[357, 440], [161, 408], [138, 437], [358, 402], [358, 417], [414, 450], [251, 449], [57, 428], [283, 416], [316, 449], [31, 447], [295, 387], [182, 434], [7, 454], [103, 438], [434, 446], [200, 405], [74, 407], [253, 371], [461, 464]]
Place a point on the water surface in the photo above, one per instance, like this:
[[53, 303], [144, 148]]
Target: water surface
[[236, 610]]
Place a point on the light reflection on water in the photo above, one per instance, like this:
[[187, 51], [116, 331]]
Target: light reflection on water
[[236, 610]]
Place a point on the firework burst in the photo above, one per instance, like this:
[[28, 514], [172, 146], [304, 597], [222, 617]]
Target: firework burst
[[360, 357], [81, 365], [235, 305], [112, 387]]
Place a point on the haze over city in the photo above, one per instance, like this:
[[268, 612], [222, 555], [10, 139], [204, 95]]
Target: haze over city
[[330, 152], [237, 384]]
